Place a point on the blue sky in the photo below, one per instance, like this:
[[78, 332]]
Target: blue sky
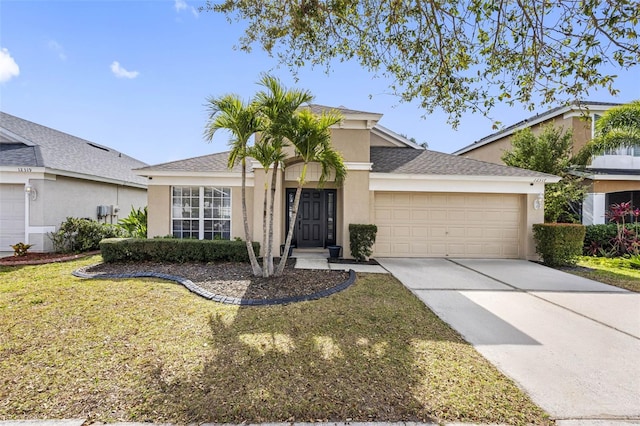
[[134, 75]]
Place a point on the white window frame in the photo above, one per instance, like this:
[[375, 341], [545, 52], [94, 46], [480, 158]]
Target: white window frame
[[201, 219]]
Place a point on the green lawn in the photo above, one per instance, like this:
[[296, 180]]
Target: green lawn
[[148, 350], [616, 271]]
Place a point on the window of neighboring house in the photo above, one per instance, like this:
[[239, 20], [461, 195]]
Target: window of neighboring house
[[201, 212], [594, 119]]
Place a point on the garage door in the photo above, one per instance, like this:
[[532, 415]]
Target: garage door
[[11, 216], [418, 224]]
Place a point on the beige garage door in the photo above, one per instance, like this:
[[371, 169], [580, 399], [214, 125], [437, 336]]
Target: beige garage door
[[418, 224], [11, 216]]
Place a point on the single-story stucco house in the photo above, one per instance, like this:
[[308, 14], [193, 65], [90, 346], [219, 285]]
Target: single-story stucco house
[[425, 203], [47, 175]]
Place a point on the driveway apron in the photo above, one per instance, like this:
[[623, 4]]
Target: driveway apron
[[571, 343]]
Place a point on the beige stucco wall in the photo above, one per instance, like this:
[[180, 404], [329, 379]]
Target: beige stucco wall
[[355, 206], [606, 186], [159, 211], [376, 140], [530, 217], [352, 144], [60, 197]]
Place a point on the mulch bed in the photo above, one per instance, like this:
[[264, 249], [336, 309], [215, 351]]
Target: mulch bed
[[42, 258], [230, 279], [236, 280]]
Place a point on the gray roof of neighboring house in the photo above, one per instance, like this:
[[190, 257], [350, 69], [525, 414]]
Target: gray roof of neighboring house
[[206, 163], [27, 144], [541, 116], [426, 162]]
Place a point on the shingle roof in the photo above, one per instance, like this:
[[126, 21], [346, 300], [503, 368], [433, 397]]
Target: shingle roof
[[319, 109], [426, 162], [14, 154], [61, 151], [207, 163]]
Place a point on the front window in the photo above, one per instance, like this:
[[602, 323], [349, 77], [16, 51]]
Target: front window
[[201, 212]]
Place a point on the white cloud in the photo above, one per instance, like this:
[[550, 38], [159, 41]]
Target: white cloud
[[8, 66], [120, 72], [182, 5], [57, 48]]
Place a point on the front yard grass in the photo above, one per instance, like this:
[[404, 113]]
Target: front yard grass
[[148, 350], [614, 271]]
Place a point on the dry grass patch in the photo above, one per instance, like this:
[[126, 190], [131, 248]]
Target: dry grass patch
[[148, 350]]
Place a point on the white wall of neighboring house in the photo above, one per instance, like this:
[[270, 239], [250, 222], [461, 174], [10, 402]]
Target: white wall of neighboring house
[[53, 199], [618, 161]]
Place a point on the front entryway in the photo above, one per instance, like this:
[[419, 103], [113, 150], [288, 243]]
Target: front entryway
[[316, 221]]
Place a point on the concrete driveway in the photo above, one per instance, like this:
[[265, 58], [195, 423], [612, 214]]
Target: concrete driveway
[[572, 344]]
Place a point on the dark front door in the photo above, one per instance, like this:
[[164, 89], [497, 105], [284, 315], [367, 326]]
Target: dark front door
[[315, 223]]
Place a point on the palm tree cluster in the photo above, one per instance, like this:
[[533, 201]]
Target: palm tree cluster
[[276, 113]]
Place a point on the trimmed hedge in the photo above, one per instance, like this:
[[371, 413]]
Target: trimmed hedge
[[174, 250], [361, 239], [559, 244]]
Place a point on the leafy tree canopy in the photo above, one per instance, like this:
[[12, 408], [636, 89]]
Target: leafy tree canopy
[[549, 152], [459, 55]]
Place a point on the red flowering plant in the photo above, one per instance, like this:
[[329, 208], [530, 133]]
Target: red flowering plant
[[626, 241]]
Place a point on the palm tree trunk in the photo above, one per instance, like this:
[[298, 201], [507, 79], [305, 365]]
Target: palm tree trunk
[[265, 260], [269, 248], [255, 266], [292, 225], [292, 221]]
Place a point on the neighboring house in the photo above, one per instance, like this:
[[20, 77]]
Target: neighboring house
[[425, 203], [47, 176], [611, 178]]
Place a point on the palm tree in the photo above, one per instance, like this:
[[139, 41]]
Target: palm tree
[[242, 120], [311, 137], [618, 127], [267, 154], [278, 105]]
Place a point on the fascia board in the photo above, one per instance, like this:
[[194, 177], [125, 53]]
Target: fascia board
[[475, 184]]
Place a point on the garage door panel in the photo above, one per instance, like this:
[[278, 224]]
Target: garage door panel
[[438, 232], [401, 232], [419, 214], [455, 225], [401, 214], [383, 215], [419, 232], [12, 215]]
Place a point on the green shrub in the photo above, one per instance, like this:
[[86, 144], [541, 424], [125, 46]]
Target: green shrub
[[77, 235], [602, 240], [174, 250], [361, 239], [136, 223], [559, 243]]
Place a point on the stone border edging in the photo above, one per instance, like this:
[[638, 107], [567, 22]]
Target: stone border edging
[[191, 286]]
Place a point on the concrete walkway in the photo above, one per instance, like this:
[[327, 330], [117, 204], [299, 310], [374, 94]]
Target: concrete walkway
[[571, 343], [318, 259]]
